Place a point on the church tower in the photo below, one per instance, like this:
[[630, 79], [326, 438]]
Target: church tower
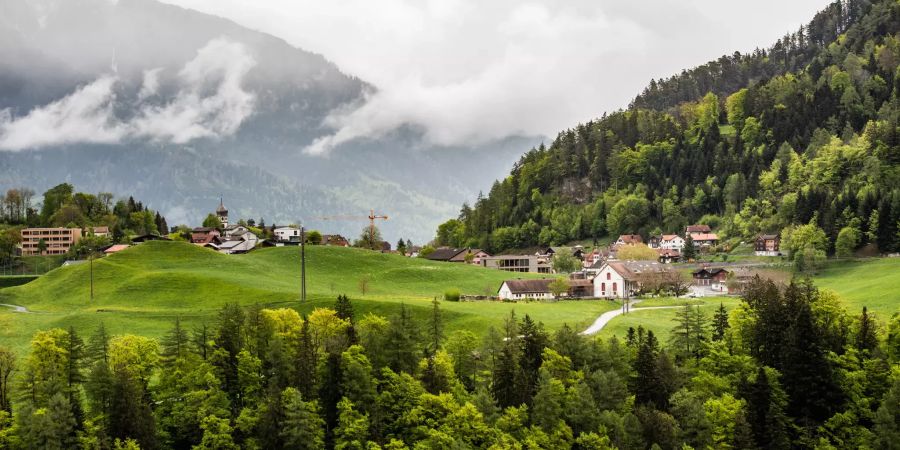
[[222, 213]]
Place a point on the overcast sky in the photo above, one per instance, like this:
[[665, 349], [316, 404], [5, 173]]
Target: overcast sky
[[470, 70]]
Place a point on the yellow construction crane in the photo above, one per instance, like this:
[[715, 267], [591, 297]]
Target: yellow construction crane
[[372, 218]]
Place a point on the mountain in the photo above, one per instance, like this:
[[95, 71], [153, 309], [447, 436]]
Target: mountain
[[802, 138], [185, 107]]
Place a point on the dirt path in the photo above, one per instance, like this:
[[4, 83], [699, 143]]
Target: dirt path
[[610, 315], [16, 308]]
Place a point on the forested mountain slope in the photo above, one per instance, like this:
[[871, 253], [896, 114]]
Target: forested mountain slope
[[804, 134]]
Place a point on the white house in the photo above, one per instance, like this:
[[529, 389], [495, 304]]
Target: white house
[[522, 289], [613, 281], [619, 279], [287, 234], [671, 242], [233, 230]]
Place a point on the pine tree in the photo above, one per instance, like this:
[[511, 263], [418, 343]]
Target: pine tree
[[689, 252], [330, 393], [435, 328], [174, 343], [344, 310], [506, 375], [302, 428], [765, 414], [402, 342], [867, 336], [228, 343], [720, 323], [647, 383], [307, 362], [533, 341], [200, 341], [99, 379], [74, 374]]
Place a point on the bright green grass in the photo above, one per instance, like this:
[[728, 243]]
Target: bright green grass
[[661, 321], [874, 283], [143, 289]]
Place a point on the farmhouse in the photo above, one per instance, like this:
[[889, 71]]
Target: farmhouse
[[148, 237], [540, 289], [335, 240], [204, 235], [618, 279], [102, 231], [713, 278], [629, 239], [705, 239], [693, 229], [768, 245], [667, 256], [238, 242], [459, 255]]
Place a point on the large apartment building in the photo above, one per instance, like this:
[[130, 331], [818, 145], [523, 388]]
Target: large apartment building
[[56, 240], [517, 263]]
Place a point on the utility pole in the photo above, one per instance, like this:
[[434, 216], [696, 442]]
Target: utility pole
[[91, 259], [302, 264]]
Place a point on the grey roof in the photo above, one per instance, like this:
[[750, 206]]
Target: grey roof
[[444, 254]]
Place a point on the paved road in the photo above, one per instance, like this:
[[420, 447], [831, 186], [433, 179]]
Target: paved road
[[17, 308], [609, 315]]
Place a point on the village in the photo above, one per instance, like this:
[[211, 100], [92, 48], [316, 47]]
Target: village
[[667, 264]]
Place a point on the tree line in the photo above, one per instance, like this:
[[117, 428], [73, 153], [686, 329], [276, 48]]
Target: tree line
[[788, 368]]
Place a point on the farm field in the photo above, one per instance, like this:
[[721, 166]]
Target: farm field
[[143, 289]]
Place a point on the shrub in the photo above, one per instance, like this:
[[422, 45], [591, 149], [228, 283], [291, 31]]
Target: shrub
[[451, 295]]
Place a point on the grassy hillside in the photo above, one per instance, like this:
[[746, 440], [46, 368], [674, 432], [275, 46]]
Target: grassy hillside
[[661, 321], [142, 289], [874, 283]]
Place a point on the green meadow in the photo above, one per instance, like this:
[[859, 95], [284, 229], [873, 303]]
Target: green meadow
[[143, 289], [874, 283]]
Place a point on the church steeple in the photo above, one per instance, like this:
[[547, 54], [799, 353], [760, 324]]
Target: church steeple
[[222, 213]]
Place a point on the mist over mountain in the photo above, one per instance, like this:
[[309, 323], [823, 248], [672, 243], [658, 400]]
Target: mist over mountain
[[178, 108]]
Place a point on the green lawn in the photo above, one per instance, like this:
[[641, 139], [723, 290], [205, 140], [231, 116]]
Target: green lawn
[[874, 283], [143, 289], [661, 321]]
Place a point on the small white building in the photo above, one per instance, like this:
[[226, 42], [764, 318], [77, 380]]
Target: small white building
[[525, 289], [287, 234]]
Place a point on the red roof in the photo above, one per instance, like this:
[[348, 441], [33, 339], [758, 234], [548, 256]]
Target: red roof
[[116, 248]]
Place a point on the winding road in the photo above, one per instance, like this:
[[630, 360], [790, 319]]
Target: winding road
[[609, 315]]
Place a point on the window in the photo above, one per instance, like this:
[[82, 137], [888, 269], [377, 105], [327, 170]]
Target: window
[[603, 287], [615, 287], [608, 276]]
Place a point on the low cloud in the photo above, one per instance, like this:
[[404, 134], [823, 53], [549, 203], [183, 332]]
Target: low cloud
[[86, 115], [210, 103], [469, 71]]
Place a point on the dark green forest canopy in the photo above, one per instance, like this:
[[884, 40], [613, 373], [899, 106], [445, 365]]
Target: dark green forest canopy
[[788, 368], [804, 133]]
